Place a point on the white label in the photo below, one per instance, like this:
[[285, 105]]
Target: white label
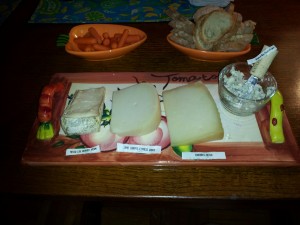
[[263, 54], [203, 155], [138, 148], [82, 151]]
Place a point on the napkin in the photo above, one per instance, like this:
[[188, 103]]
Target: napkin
[[220, 3]]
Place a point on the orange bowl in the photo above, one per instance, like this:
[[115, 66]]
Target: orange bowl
[[207, 55], [111, 29]]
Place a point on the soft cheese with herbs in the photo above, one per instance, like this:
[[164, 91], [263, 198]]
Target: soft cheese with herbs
[[83, 114], [192, 115], [135, 110]]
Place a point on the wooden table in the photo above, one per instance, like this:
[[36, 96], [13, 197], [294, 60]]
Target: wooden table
[[30, 57]]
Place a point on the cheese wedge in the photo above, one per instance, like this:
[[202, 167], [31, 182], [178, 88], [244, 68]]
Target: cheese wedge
[[135, 110], [83, 114], [192, 115]]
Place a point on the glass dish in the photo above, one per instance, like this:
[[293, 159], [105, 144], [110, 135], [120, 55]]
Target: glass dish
[[234, 100]]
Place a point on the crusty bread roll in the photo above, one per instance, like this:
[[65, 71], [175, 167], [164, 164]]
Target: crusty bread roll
[[234, 43], [214, 29], [203, 11], [211, 27]]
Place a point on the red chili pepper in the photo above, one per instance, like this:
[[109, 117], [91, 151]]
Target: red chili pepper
[[46, 100], [44, 114]]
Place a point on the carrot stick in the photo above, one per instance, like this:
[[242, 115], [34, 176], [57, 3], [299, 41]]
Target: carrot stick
[[117, 36], [99, 47], [85, 40], [132, 38], [114, 44], [105, 35], [89, 48], [93, 41], [87, 34], [81, 47], [106, 41], [95, 34], [75, 46], [123, 38]]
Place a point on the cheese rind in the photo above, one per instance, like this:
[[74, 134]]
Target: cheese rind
[[135, 110], [192, 115], [83, 114]]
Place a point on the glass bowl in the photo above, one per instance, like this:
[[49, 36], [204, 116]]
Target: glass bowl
[[237, 96]]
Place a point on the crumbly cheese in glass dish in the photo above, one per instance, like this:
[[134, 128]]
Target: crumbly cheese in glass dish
[[238, 85]]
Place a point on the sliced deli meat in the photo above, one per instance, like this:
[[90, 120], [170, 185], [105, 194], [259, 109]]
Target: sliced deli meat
[[192, 115]]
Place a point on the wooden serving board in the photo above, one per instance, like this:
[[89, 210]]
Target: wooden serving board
[[246, 140]]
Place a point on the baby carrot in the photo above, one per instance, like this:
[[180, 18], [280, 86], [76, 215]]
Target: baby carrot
[[85, 40], [105, 35], [89, 48], [93, 41], [123, 38], [117, 36], [75, 46], [106, 41], [95, 34], [87, 34], [99, 47], [81, 47], [132, 38], [114, 44]]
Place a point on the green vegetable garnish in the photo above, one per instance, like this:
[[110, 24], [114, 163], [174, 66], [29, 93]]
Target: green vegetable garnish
[[45, 131], [182, 148]]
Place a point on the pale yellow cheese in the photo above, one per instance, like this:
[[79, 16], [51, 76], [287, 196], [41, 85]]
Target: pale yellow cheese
[[83, 114], [192, 115], [135, 110]]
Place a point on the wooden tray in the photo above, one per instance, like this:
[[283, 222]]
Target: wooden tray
[[253, 147]]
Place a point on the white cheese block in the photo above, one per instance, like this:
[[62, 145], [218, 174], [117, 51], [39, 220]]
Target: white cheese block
[[83, 114], [135, 110], [192, 115]]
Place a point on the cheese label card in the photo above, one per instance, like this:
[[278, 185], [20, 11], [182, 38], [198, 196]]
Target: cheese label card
[[82, 151], [138, 149], [203, 155]]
